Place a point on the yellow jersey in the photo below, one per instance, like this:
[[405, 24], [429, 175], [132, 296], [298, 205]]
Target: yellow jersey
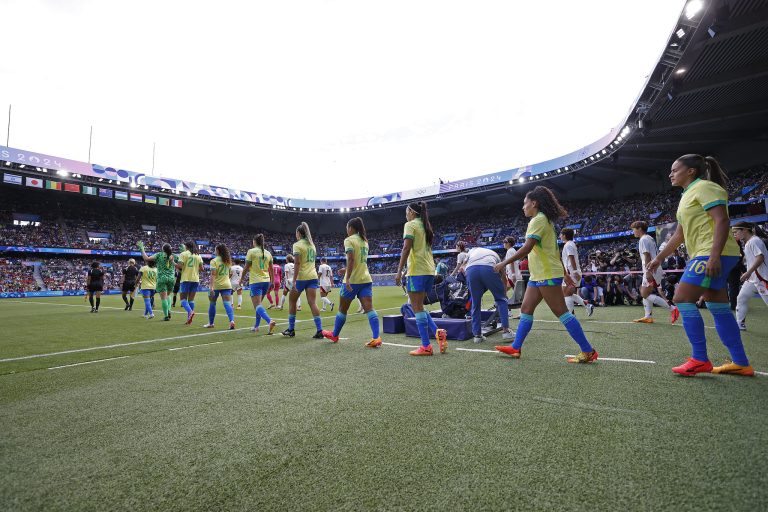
[[359, 249], [544, 260], [304, 252], [190, 271], [148, 278], [220, 274], [420, 260], [698, 226], [261, 262]]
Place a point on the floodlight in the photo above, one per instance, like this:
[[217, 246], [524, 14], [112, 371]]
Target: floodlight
[[680, 71], [680, 33], [60, 173], [692, 8]]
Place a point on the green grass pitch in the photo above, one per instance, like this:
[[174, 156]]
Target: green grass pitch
[[172, 417]]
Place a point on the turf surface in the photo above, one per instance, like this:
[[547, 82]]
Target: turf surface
[[234, 420]]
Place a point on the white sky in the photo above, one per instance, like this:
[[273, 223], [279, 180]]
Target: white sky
[[294, 97]]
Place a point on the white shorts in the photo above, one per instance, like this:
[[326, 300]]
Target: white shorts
[[657, 276], [287, 285], [236, 287], [326, 288], [576, 279]]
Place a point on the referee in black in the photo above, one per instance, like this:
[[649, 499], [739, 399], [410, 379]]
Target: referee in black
[[130, 274]]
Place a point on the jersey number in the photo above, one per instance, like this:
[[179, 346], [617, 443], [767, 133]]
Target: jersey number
[[363, 255], [310, 255], [223, 271], [190, 262], [697, 267]]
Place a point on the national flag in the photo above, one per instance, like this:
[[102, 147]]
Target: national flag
[[34, 182], [119, 194], [163, 201], [13, 179], [105, 192], [176, 203], [136, 197], [91, 191], [52, 185], [71, 187], [150, 199]]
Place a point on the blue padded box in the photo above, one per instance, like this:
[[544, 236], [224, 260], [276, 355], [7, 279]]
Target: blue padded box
[[394, 324]]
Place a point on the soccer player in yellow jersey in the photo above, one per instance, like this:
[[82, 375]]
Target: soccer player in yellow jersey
[[259, 261], [221, 267], [357, 283], [148, 278], [420, 278], [190, 264], [704, 227], [547, 274], [305, 279]]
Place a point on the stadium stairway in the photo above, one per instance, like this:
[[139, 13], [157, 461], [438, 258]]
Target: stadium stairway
[[38, 277]]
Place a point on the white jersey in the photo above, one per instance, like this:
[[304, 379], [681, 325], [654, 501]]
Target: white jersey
[[461, 259], [570, 249], [288, 274], [482, 256], [236, 274], [513, 270], [325, 275], [752, 249], [647, 244]]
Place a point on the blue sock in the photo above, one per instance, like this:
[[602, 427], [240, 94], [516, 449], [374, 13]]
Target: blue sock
[[431, 324], [728, 330], [192, 305], [341, 319], [423, 325], [229, 310], [318, 322], [523, 328], [211, 312], [147, 306], [576, 332], [185, 305], [694, 329], [262, 313], [291, 321], [373, 319]]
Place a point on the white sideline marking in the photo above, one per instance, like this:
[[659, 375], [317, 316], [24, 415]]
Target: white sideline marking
[[88, 362], [601, 358], [193, 346], [586, 320], [761, 373], [399, 345], [476, 350]]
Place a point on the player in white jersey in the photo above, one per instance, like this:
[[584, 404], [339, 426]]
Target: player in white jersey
[[572, 267], [288, 275], [755, 279], [236, 276], [325, 281], [461, 258], [651, 280]]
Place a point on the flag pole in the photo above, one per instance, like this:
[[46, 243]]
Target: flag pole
[[90, 143], [153, 159]]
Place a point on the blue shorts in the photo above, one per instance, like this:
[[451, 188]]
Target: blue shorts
[[188, 287], [307, 283], [225, 293], [259, 289], [695, 272], [358, 290], [146, 293], [555, 281], [416, 284]]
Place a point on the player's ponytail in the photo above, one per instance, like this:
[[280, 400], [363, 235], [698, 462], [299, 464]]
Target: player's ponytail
[[303, 231], [191, 247], [258, 241], [707, 168], [356, 223], [169, 253], [420, 209], [223, 253], [547, 203]]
